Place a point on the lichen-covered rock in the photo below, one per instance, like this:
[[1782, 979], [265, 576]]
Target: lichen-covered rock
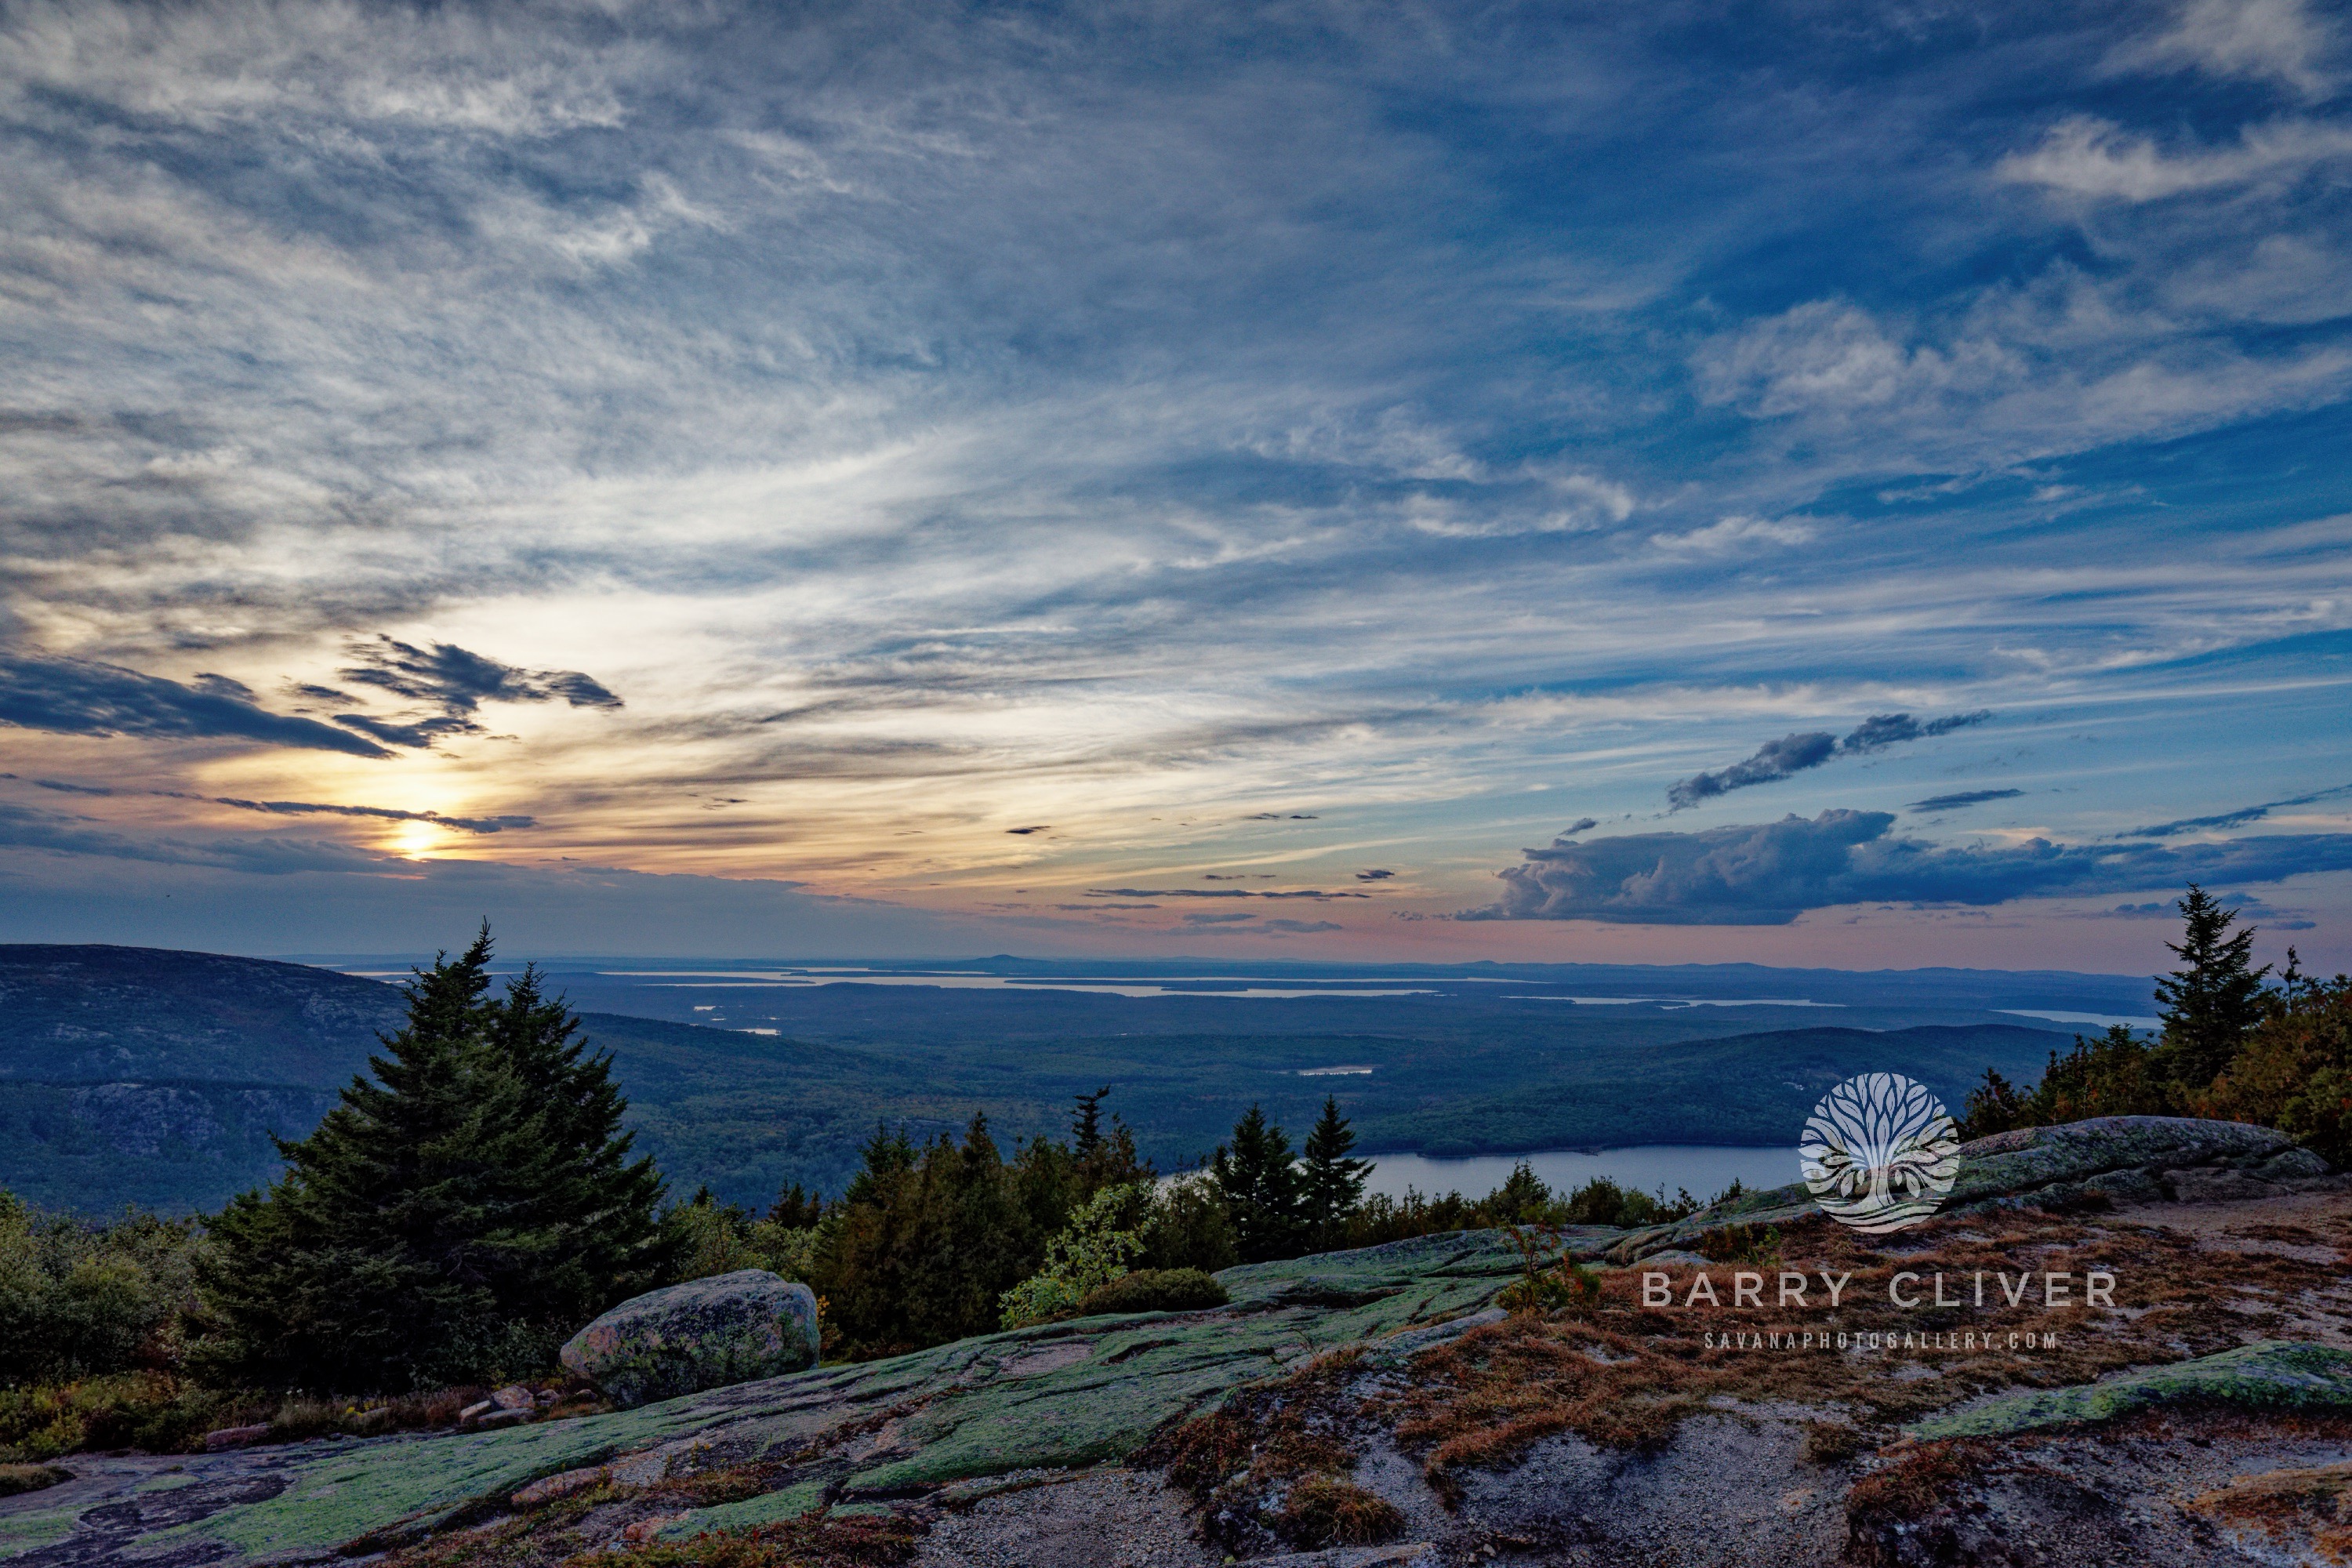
[[706, 1333], [2105, 1161], [2269, 1374]]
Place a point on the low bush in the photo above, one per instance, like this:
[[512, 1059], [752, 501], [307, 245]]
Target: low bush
[[160, 1412], [1155, 1290], [18, 1478], [1324, 1511]]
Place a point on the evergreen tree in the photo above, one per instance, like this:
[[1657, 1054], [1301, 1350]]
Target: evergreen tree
[[1258, 1183], [456, 1218], [1086, 1123], [1332, 1185], [2214, 999]]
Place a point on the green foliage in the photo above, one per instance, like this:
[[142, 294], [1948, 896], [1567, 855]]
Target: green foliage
[[1085, 1254], [1188, 1229], [1330, 1183], [79, 1299], [2114, 1073], [2214, 1007], [458, 1218], [2215, 997], [2295, 1071], [1155, 1290], [1257, 1180], [1547, 1284]]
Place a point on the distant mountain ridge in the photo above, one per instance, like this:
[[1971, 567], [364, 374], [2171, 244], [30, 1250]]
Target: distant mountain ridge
[[149, 1076]]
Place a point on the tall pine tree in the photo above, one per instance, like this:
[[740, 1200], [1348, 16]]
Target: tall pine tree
[[2214, 999], [1331, 1185], [1257, 1180], [456, 1218]]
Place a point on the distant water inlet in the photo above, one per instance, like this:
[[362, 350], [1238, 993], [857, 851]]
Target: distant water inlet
[[1706, 1169]]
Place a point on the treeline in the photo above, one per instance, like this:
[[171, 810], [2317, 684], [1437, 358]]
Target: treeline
[[930, 1241], [475, 1201], [2233, 1046]]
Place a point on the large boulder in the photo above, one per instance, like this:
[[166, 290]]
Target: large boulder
[[705, 1333]]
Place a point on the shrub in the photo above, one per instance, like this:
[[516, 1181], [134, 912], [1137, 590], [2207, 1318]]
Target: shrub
[[15, 1478], [78, 1299], [1324, 1511], [1155, 1290], [1088, 1253]]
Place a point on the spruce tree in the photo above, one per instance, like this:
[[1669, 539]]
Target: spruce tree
[[454, 1219], [1331, 1185], [2211, 1002], [1258, 1183]]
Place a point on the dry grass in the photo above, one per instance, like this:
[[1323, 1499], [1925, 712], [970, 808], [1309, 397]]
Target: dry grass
[[1625, 1376], [584, 1528], [860, 1541], [2290, 1510], [1276, 1460], [1323, 1511]]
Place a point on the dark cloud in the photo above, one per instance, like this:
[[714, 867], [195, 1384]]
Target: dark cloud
[[1377, 873], [213, 685], [1966, 797], [1278, 816], [1022, 832], [460, 679], [1810, 749], [81, 697], [1211, 893], [259, 854], [62, 787], [2234, 818], [421, 734], [1773, 760], [456, 680], [1581, 825], [387, 814], [1247, 925], [1770, 873], [1894, 728]]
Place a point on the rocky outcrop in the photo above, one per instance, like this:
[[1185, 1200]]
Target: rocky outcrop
[[1496, 1437], [704, 1334], [2107, 1162]]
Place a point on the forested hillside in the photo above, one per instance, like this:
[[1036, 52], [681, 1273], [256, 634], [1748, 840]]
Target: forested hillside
[[137, 1075]]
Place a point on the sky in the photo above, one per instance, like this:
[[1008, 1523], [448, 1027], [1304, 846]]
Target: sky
[[1842, 484]]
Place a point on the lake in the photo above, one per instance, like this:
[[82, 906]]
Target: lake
[[1704, 1168]]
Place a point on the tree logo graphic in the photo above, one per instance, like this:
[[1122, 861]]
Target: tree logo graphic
[[1880, 1153]]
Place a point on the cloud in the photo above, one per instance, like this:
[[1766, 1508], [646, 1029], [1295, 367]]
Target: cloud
[[1213, 893], [1024, 832], [1732, 534], [2278, 40], [484, 825], [2087, 156], [1770, 873], [1965, 797], [80, 697], [1581, 825], [456, 680], [1377, 873], [2237, 818], [1250, 925], [460, 679], [1795, 753], [257, 854]]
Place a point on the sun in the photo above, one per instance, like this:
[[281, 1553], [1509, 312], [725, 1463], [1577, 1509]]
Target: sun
[[414, 839]]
